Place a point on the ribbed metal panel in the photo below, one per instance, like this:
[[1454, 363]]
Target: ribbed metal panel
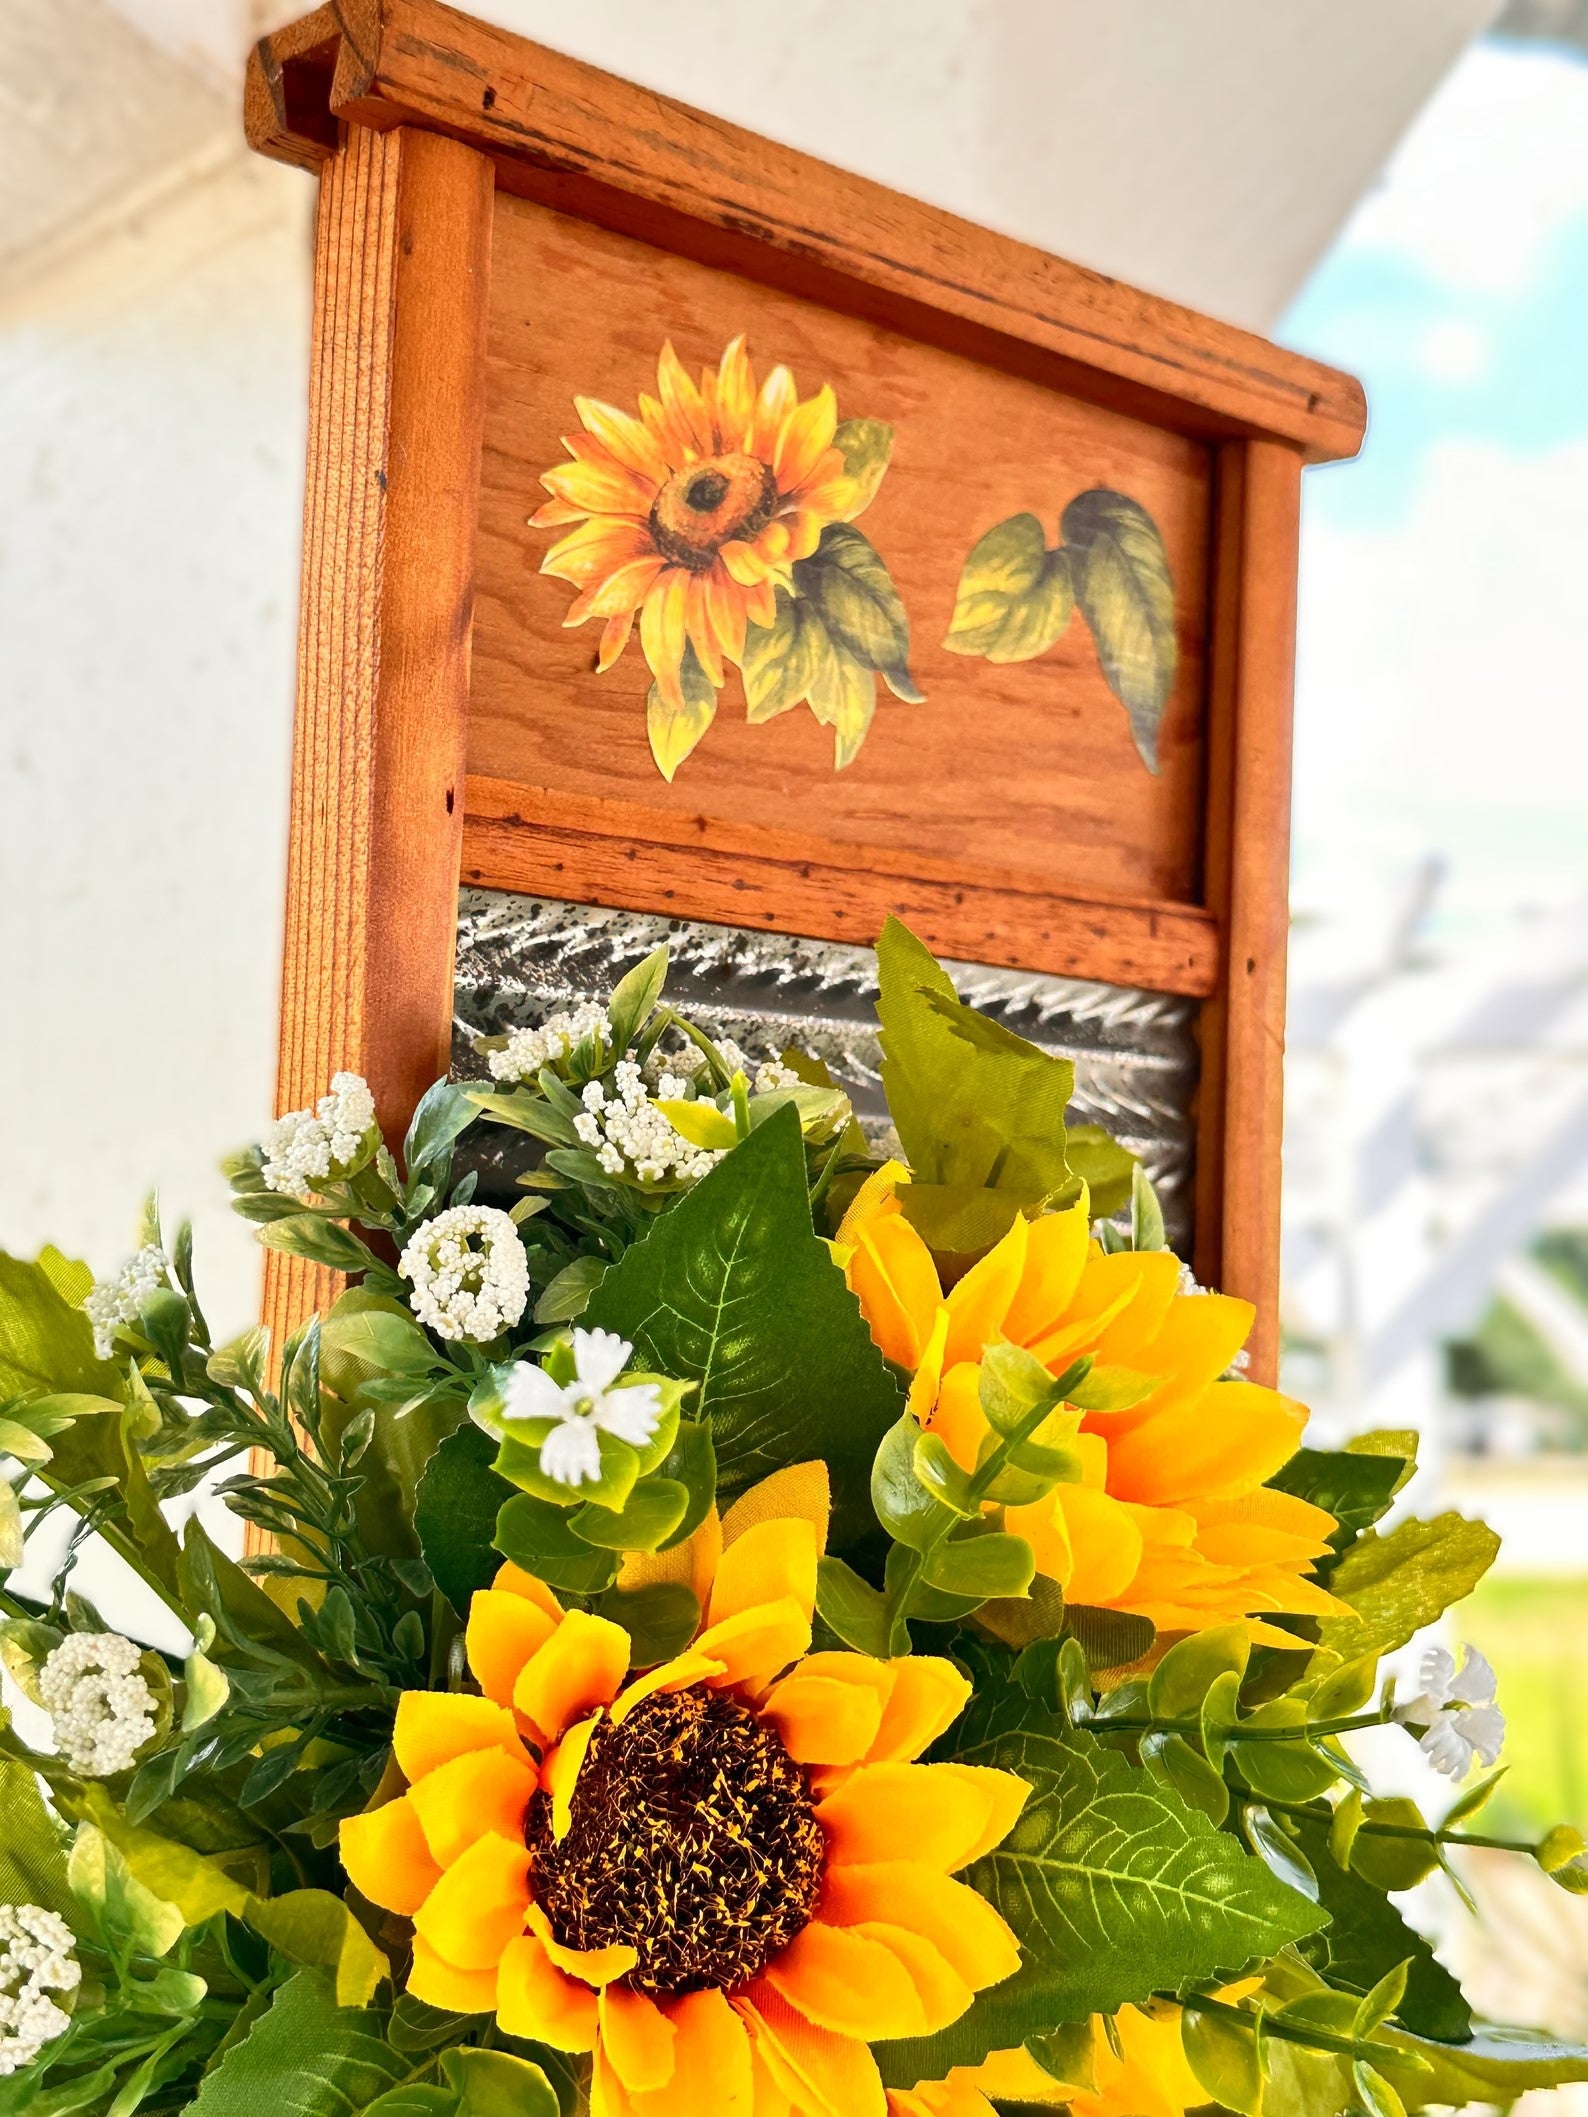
[[522, 958]]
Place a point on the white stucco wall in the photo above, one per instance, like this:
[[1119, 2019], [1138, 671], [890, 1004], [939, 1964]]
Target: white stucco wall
[[154, 286]]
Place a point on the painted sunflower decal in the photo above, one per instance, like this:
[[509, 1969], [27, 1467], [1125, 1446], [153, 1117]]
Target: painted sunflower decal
[[1169, 1515], [721, 518], [723, 1877]]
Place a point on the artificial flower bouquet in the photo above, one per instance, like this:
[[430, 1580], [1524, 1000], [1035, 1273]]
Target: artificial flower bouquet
[[745, 1626]]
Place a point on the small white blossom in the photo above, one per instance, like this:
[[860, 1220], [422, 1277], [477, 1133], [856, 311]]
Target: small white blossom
[[571, 1452], [626, 1129], [528, 1050], [112, 1302], [469, 1272], [35, 1958], [307, 1148], [1456, 1711], [764, 1075], [95, 1693]]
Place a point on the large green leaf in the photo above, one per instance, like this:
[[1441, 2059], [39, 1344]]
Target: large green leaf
[[1014, 597], [734, 1290], [1355, 1488], [1494, 2066], [1114, 1887], [979, 1111], [846, 579], [784, 659], [32, 1844], [459, 1498], [46, 1342], [1120, 572], [1368, 1937], [1398, 1583], [307, 2057], [313, 1928]]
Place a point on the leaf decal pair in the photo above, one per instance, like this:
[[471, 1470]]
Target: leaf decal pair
[[1015, 599]]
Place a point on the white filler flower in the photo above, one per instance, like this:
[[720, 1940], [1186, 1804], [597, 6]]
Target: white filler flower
[[470, 1275], [112, 1302], [1456, 1712], [103, 1710], [571, 1452], [307, 1148], [527, 1050], [627, 1129], [35, 1958]]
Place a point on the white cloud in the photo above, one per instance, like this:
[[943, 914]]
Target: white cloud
[[1495, 164], [1454, 352]]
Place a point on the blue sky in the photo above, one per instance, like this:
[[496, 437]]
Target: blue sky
[[1442, 690]]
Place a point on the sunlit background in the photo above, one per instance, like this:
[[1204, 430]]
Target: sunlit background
[[1365, 181]]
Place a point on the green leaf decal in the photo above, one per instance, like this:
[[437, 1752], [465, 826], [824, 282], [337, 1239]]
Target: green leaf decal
[[847, 581], [1014, 597], [1120, 571], [307, 2056], [459, 1498], [865, 445], [1114, 1887], [675, 730], [844, 698], [1398, 1583], [805, 1381], [784, 660]]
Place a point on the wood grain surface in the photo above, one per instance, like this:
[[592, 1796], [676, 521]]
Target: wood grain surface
[[1029, 768], [572, 136], [1241, 1112], [396, 391]]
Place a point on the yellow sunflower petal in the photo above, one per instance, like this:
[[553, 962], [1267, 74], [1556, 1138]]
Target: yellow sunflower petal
[[682, 402], [758, 1643], [617, 594], [876, 1199], [1226, 1440], [702, 633], [438, 1983], [770, 1562], [806, 436], [1056, 1251], [535, 2000], [964, 1928], [663, 632], [799, 1491], [504, 1630], [433, 1727], [691, 1564], [893, 1277], [927, 1382], [592, 1966], [513, 1580], [943, 1993], [711, 2061], [624, 437], [927, 1696], [637, 2038], [957, 1417], [839, 1979], [734, 396], [942, 1815], [822, 2073], [486, 1790], [1104, 1539], [581, 1666], [601, 488], [615, 636], [978, 1303], [561, 1772], [675, 1675], [479, 1903], [829, 1708], [387, 1856], [773, 405]]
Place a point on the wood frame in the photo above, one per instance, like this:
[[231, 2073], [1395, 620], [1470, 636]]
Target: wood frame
[[413, 114]]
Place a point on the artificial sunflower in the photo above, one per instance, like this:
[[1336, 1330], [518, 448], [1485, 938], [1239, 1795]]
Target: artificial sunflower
[[691, 515], [1172, 1517], [1137, 2068], [724, 1877]]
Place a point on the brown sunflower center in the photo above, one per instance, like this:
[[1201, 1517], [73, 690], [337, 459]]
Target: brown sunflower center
[[708, 504], [693, 1838]]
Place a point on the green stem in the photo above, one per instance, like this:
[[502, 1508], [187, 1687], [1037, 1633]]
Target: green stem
[[1427, 1834], [1287, 2031]]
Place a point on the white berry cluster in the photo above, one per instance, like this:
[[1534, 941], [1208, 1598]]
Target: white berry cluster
[[527, 1050], [35, 1958], [469, 1272], [96, 1695], [307, 1147], [764, 1075], [113, 1302], [628, 1131]]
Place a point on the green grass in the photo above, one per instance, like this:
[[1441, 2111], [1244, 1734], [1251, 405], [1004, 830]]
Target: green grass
[[1535, 1632]]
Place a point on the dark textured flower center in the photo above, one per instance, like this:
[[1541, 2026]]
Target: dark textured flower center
[[693, 1839], [707, 505]]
